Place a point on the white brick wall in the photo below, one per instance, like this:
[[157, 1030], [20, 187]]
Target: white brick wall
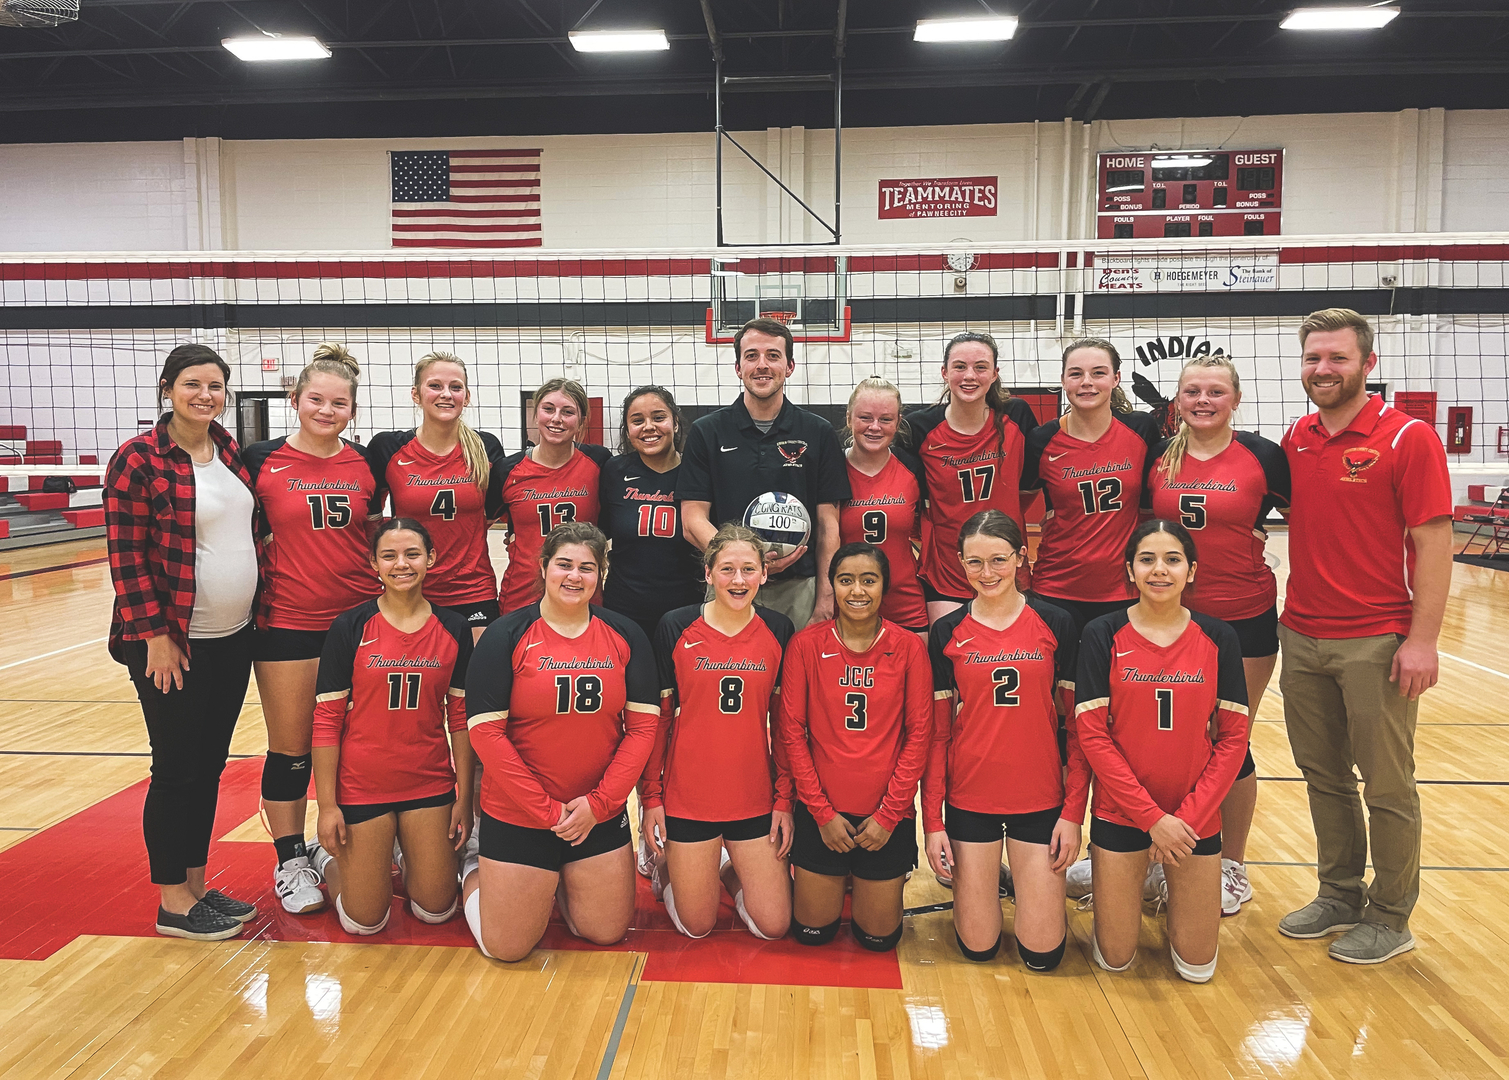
[[1417, 170]]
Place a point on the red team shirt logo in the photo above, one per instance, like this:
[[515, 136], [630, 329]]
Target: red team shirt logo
[[1357, 460]]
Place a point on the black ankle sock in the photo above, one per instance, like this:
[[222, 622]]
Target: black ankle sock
[[289, 847]]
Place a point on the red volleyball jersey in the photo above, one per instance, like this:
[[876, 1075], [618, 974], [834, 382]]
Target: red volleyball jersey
[[438, 492], [387, 698], [313, 533], [1092, 493], [712, 760], [855, 726], [964, 475], [1145, 712], [886, 510], [1223, 502], [535, 500], [997, 751], [553, 718]]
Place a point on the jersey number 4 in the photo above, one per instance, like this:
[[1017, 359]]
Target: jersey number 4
[[583, 694], [444, 504], [329, 511], [975, 484], [1101, 496]]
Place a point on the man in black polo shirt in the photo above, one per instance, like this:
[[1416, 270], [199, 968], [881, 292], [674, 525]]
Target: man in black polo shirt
[[760, 443]]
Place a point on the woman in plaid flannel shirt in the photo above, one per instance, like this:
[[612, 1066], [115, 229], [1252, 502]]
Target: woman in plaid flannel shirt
[[178, 513]]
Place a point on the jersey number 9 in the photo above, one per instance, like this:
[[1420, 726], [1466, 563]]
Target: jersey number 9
[[874, 525]]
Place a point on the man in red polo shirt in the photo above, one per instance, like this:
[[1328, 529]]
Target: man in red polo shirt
[[1369, 570]]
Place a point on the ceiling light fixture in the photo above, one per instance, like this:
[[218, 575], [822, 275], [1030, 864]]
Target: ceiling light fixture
[[1339, 18], [993, 28], [277, 47], [619, 40]]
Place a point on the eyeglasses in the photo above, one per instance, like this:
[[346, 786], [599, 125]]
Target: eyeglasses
[[999, 563]]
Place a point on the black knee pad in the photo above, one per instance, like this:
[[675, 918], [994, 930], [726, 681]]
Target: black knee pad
[[979, 956], [284, 778], [1042, 961], [814, 935], [873, 943]]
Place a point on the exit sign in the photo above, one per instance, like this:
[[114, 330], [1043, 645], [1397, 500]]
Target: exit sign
[[269, 363]]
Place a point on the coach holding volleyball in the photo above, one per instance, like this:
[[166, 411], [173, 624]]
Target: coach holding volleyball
[[762, 442], [1369, 570]]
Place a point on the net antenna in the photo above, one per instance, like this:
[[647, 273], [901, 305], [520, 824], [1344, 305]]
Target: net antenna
[[756, 82]]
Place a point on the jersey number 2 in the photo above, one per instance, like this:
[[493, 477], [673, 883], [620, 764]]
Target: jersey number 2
[[1007, 679], [584, 694]]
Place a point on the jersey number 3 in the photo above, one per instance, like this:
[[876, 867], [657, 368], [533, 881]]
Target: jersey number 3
[[857, 720]]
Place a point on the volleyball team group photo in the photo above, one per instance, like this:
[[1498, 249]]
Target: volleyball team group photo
[[800, 664]]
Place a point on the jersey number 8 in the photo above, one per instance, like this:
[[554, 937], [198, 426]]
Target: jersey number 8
[[731, 694], [584, 694]]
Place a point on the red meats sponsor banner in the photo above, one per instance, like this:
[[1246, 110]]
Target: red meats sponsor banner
[[941, 197]]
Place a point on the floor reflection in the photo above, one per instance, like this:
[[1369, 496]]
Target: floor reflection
[[1279, 1039]]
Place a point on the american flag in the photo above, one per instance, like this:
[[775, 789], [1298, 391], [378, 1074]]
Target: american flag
[[466, 198]]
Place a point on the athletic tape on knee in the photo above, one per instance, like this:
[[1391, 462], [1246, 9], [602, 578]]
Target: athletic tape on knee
[[1101, 960], [814, 935], [472, 910], [749, 922], [431, 917], [351, 926], [1042, 961], [1195, 973], [670, 909], [979, 956], [285, 778], [871, 941]]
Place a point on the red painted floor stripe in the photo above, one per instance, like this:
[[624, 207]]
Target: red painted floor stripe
[[87, 875]]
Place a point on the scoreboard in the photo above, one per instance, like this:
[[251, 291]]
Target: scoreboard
[[1189, 193]]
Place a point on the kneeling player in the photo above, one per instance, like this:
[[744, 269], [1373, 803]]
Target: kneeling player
[[708, 785], [854, 721], [1165, 674], [390, 684]]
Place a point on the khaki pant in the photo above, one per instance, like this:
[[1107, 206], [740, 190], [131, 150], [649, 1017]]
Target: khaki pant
[[794, 598], [1342, 711]]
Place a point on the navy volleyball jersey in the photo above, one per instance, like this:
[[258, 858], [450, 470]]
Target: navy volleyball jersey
[[1223, 502], [997, 753], [712, 759], [311, 532], [439, 493], [1145, 712], [387, 700], [554, 718], [653, 569]]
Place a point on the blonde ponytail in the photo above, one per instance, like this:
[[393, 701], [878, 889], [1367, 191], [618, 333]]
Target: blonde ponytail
[[478, 467], [1178, 446], [329, 358]]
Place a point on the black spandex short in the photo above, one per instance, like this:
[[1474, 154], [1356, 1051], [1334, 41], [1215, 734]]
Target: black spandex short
[[1248, 765], [931, 595], [502, 842], [1109, 836], [276, 643], [690, 831], [1083, 611], [1259, 634], [975, 828], [892, 861], [356, 813], [476, 614]]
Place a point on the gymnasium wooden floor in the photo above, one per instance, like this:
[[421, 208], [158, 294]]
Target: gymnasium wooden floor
[[71, 736]]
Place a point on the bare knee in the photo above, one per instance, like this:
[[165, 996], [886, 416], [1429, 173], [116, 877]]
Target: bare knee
[[509, 950]]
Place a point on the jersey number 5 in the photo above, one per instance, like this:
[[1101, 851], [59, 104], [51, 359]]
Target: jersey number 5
[[1007, 679], [857, 720], [584, 694], [1101, 496], [329, 511], [1192, 511]]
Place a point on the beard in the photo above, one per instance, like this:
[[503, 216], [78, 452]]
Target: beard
[[1328, 397]]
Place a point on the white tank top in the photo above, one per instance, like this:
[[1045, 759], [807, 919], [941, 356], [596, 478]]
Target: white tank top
[[225, 554]]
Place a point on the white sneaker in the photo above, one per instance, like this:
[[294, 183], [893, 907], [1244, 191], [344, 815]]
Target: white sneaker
[[660, 877], [297, 884], [319, 858], [1077, 882], [1236, 890], [644, 859], [1155, 886], [398, 856]]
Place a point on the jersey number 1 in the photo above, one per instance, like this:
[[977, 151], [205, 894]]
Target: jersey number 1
[[1165, 709]]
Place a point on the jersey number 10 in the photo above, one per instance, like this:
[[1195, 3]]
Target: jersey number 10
[[657, 520]]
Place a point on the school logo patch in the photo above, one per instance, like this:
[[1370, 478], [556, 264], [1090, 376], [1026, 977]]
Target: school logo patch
[[792, 450], [1358, 460]]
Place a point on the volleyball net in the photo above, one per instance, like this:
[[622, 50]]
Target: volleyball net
[[83, 337]]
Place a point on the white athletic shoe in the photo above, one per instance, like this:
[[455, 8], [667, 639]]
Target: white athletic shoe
[[297, 884], [1155, 886], [644, 858], [319, 858], [398, 856], [660, 877], [1236, 890], [1077, 882]]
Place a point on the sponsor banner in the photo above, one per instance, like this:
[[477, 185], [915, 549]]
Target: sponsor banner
[[1175, 273], [941, 197]]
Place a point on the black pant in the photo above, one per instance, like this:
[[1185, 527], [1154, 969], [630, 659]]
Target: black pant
[[190, 730]]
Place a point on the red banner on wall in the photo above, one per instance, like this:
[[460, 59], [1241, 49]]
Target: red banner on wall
[[944, 196]]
